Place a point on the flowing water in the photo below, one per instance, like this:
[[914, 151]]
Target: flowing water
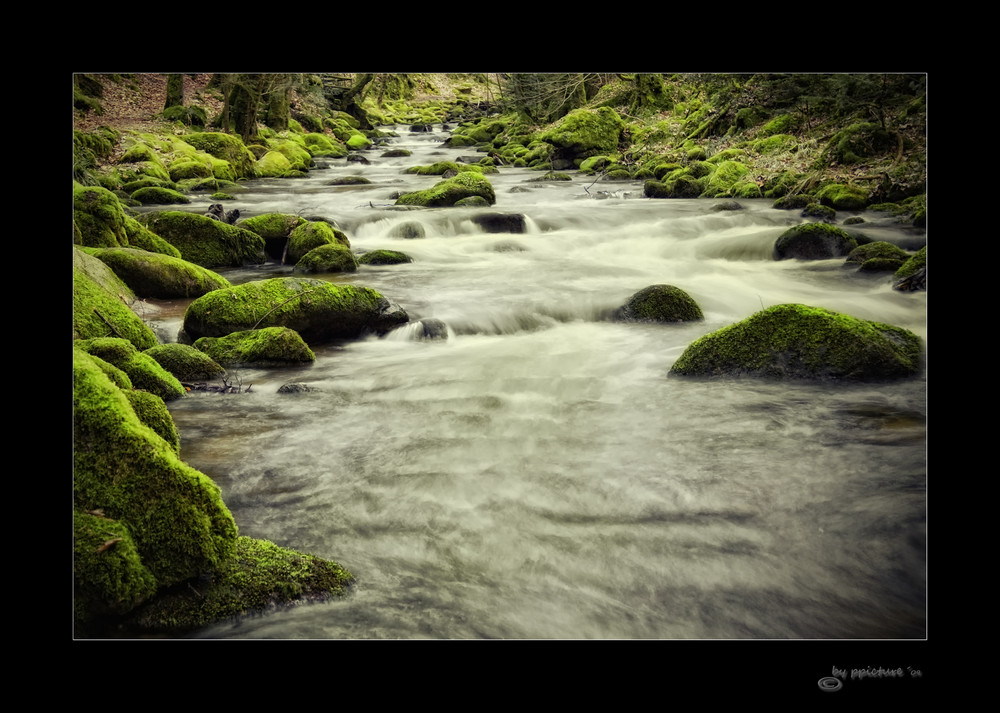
[[537, 474]]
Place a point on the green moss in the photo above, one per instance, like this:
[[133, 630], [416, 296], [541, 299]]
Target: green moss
[[99, 217], [108, 574], [185, 362], [259, 575], [802, 342], [144, 371], [584, 132], [384, 257], [318, 310], [915, 263], [270, 346], [660, 303], [448, 192], [123, 468], [813, 241], [159, 276], [843, 196], [332, 257], [152, 411], [100, 313], [310, 235], [206, 242], [727, 174], [299, 158], [228, 148], [877, 249], [272, 225]]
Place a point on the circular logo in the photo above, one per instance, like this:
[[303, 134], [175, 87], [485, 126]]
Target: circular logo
[[830, 683]]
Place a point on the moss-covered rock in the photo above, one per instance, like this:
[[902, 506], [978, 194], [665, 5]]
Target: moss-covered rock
[[108, 574], [319, 311], [259, 576], [813, 241], [99, 217], [144, 371], [408, 230], [333, 257], [321, 145], [802, 342], [660, 303], [206, 242], [186, 363], [270, 346], [311, 235], [452, 190], [272, 225], [915, 263], [152, 411], [583, 132], [159, 276], [98, 312], [274, 164], [227, 147], [103, 275], [877, 249], [721, 181], [384, 257], [842, 196], [124, 470], [159, 196]]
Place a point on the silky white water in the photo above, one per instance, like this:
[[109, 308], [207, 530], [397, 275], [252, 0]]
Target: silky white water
[[539, 474]]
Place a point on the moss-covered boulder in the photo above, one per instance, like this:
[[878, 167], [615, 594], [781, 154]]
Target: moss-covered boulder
[[328, 258], [206, 242], [660, 303], [452, 190], [126, 472], [103, 275], [800, 342], [384, 257], [159, 276], [159, 196], [227, 147], [270, 346], [144, 371], [100, 221], [319, 311], [814, 241], [311, 235], [877, 249], [843, 196], [583, 133], [98, 312], [259, 576], [186, 363], [153, 411], [272, 225], [155, 550], [726, 176], [321, 145]]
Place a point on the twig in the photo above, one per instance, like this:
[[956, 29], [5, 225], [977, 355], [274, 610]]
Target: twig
[[293, 297]]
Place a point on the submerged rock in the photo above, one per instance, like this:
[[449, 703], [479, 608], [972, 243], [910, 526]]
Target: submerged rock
[[800, 342], [500, 222]]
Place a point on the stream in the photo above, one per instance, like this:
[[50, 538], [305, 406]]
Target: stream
[[537, 474]]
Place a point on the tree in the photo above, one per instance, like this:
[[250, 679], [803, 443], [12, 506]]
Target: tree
[[543, 98], [250, 98], [175, 91]]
